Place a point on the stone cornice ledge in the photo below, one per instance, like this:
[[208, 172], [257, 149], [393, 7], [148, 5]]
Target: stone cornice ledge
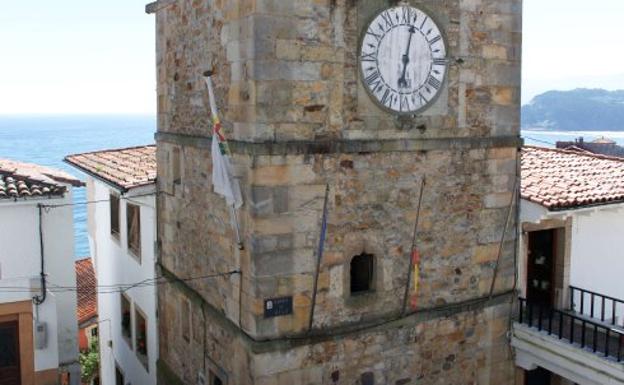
[[387, 322], [344, 146]]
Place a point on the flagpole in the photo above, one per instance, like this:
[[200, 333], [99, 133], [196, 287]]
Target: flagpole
[[319, 256], [414, 254], [224, 148], [234, 217]]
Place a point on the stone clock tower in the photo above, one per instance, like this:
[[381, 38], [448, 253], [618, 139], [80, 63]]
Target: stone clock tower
[[375, 143]]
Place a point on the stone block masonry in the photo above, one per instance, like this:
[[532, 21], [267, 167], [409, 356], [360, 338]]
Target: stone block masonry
[[298, 119], [464, 344]]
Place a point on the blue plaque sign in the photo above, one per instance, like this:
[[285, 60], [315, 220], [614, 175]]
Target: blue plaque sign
[[275, 307]]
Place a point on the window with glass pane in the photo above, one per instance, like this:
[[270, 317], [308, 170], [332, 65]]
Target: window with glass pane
[[140, 333], [114, 215], [126, 319], [133, 214]]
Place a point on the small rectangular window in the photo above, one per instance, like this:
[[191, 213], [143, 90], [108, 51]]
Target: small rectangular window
[[140, 334], [362, 268], [126, 319], [114, 215], [94, 332], [133, 218]]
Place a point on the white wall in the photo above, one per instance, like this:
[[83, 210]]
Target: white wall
[[597, 246], [598, 253], [114, 266], [47, 358], [20, 266]]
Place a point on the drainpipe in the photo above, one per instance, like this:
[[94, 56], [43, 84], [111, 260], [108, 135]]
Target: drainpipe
[[40, 299]]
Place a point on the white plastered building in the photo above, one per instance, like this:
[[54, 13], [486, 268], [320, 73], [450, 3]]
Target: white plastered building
[[570, 327], [38, 327], [122, 230]]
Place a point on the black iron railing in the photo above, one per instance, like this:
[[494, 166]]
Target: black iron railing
[[595, 305], [599, 338]]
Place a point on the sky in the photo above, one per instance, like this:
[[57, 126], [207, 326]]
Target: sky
[[77, 56], [571, 44], [88, 56]]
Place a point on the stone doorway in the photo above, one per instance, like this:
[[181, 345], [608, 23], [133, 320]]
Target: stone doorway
[[552, 239]]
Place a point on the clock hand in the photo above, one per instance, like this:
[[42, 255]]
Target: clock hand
[[405, 59]]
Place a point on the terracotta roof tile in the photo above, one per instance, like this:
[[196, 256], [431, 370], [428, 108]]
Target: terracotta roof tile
[[87, 290], [125, 168], [562, 179], [28, 180]]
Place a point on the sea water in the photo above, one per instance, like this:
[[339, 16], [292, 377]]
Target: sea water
[[46, 140]]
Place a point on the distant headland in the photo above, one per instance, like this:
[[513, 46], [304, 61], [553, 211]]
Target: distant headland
[[576, 110]]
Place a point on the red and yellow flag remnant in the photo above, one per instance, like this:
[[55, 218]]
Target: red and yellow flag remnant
[[223, 145], [416, 274]]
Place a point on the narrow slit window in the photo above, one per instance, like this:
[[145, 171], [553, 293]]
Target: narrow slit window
[[362, 273], [176, 166], [133, 214], [185, 313], [114, 215]]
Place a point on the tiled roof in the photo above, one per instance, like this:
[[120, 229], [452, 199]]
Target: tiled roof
[[87, 293], [124, 168], [561, 179], [27, 180]]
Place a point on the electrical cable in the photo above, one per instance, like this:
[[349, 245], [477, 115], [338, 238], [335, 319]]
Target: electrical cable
[[105, 289], [40, 299], [117, 288], [540, 141], [128, 198]]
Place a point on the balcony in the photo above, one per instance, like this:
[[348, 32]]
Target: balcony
[[584, 345]]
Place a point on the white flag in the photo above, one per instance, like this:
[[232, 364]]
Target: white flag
[[223, 180], [222, 176]]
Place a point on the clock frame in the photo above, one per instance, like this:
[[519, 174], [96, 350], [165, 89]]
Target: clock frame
[[444, 74]]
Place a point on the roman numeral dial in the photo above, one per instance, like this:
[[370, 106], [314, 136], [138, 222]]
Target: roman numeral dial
[[403, 63]]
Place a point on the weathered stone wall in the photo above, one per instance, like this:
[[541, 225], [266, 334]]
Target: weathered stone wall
[[198, 341], [298, 119], [453, 346], [196, 238], [372, 208], [469, 347], [287, 70]]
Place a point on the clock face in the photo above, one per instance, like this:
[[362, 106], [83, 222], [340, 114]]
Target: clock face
[[403, 59]]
